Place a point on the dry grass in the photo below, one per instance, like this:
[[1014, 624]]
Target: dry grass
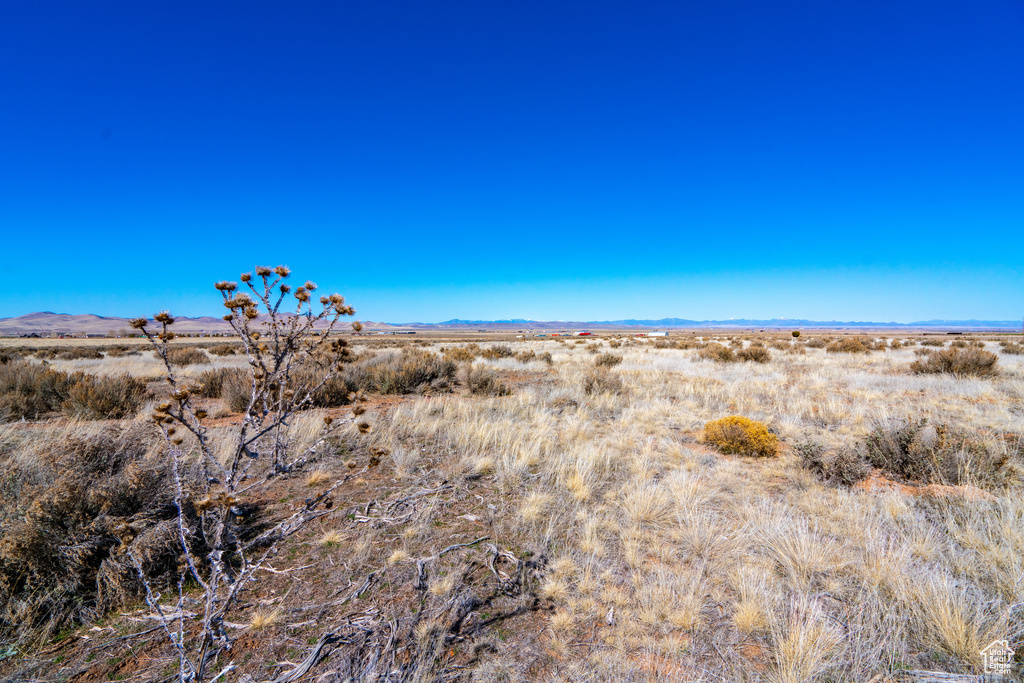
[[264, 618], [667, 560]]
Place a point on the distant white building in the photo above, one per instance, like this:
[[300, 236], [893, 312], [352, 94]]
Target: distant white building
[[657, 334]]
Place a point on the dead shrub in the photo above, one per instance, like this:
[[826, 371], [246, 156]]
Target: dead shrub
[[816, 343], [932, 342], [961, 362], [607, 360], [546, 358], [484, 381], [601, 381], [717, 352], [187, 356], [741, 435], [757, 354], [841, 467], [918, 451]]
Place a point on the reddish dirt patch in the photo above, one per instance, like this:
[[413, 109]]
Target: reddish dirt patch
[[878, 482]]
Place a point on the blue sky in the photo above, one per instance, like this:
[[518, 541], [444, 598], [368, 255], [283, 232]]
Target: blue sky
[[546, 160]]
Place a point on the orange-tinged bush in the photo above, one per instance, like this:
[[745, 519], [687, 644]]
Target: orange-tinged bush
[[741, 435]]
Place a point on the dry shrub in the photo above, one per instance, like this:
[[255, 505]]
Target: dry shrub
[[848, 345], [741, 435], [526, 356], [757, 354], [414, 370], [717, 352], [459, 354], [938, 454], [79, 353], [77, 500], [932, 342], [497, 351], [122, 350], [104, 398], [187, 356], [962, 362], [780, 345], [607, 360], [601, 381], [482, 380], [30, 390], [1013, 349], [211, 382], [546, 358], [236, 390], [223, 350], [816, 343], [841, 467], [679, 344]]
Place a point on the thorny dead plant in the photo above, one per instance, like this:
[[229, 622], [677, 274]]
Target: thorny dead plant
[[291, 355]]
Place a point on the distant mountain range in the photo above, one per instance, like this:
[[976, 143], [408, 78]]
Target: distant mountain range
[[46, 324]]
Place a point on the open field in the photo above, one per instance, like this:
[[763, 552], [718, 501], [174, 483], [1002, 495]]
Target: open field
[[522, 510]]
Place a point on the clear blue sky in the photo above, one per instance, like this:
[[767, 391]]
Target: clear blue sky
[[546, 160]]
